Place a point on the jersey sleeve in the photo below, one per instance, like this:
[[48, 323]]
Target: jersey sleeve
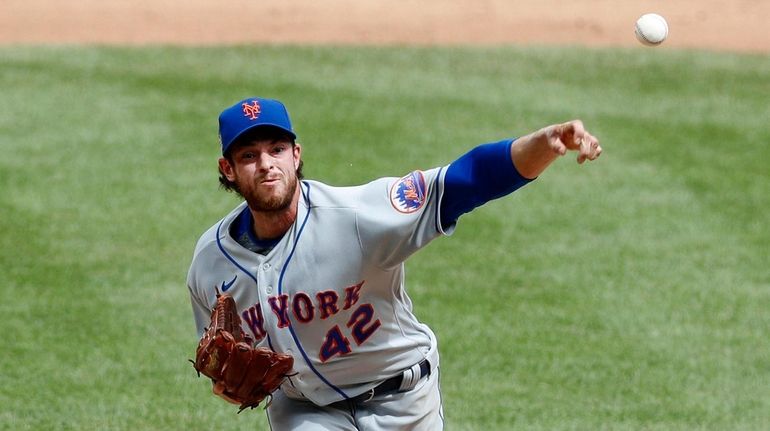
[[482, 174], [196, 286], [201, 311], [398, 216]]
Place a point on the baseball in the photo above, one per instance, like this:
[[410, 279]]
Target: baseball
[[651, 29]]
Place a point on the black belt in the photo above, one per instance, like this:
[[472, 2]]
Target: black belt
[[391, 385]]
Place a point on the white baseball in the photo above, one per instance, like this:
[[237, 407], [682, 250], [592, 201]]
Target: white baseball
[[651, 29]]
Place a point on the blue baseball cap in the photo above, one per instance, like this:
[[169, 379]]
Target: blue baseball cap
[[249, 114]]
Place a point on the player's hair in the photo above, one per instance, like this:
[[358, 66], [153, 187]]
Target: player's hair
[[258, 134]]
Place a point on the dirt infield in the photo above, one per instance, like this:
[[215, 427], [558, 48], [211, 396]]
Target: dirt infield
[[735, 25]]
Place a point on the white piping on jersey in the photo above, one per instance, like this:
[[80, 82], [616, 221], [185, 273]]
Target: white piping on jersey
[[439, 197]]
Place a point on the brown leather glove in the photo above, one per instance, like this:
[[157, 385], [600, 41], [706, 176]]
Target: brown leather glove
[[240, 372]]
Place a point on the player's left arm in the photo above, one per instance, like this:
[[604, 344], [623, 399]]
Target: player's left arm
[[494, 170]]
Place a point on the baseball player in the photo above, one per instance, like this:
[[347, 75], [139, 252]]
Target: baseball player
[[317, 271]]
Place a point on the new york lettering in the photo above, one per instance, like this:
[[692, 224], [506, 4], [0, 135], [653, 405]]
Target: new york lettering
[[302, 308]]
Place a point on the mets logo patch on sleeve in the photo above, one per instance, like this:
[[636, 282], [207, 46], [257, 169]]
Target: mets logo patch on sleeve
[[408, 194]]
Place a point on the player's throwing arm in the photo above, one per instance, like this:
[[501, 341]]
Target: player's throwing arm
[[531, 154]]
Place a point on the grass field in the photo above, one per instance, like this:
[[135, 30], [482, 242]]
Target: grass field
[[628, 294]]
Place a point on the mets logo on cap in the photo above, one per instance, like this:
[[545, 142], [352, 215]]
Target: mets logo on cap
[[408, 193], [252, 110]]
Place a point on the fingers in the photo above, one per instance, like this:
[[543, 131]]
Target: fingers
[[588, 148], [573, 136], [570, 133]]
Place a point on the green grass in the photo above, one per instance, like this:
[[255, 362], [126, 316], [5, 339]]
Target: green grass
[[629, 294]]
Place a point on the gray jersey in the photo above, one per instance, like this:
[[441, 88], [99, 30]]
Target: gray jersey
[[331, 292]]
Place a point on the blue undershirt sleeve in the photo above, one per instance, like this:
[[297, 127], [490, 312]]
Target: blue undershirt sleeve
[[477, 177]]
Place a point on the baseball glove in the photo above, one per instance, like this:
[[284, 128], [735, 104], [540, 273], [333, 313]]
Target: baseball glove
[[240, 373]]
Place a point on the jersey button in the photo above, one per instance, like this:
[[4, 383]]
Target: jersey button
[[266, 266], [269, 289]]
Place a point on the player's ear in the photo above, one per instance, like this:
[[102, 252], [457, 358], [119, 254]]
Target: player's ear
[[297, 150], [226, 169]]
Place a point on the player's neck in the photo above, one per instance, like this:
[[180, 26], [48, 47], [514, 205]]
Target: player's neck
[[273, 224]]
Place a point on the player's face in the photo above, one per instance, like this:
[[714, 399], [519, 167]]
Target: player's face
[[265, 172]]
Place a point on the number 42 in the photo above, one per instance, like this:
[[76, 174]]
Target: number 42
[[361, 328]]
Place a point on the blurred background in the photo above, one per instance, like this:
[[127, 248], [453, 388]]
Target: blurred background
[[738, 25]]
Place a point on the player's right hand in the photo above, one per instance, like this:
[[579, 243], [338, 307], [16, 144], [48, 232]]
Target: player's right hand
[[573, 136]]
